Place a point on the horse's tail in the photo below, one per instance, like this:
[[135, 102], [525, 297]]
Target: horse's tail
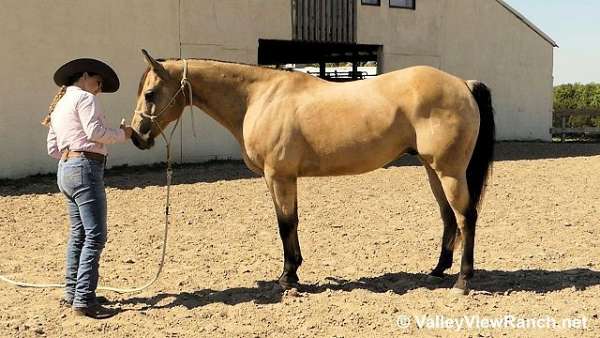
[[483, 155]]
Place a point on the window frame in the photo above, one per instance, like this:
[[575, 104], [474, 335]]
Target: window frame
[[363, 3], [414, 5]]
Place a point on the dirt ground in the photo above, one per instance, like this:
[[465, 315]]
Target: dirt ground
[[368, 242]]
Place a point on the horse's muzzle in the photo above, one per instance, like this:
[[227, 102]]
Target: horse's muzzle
[[142, 141]]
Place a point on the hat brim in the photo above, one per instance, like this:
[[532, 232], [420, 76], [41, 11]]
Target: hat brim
[[110, 80]]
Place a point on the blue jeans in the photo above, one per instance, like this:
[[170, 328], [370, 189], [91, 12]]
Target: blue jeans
[[81, 180]]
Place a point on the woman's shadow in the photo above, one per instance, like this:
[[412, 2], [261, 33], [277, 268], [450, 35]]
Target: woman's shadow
[[487, 282]]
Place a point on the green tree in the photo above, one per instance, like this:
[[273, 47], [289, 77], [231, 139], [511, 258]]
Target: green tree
[[578, 96]]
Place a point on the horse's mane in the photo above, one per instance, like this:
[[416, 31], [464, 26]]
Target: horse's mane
[[232, 63], [140, 86]]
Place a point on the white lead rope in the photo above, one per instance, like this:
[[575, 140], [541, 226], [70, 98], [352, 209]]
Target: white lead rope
[[153, 118], [109, 288]]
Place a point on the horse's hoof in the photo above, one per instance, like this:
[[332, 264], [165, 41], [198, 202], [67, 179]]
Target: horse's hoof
[[459, 291], [292, 293], [287, 285], [461, 287]]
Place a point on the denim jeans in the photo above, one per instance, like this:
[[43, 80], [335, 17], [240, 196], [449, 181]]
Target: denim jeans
[[81, 180]]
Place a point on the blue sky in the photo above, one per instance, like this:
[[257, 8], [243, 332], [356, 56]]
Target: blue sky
[[575, 26]]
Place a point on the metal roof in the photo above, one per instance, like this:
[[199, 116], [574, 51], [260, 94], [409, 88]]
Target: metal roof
[[527, 22]]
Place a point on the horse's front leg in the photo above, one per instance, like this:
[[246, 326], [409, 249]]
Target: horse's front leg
[[284, 193]]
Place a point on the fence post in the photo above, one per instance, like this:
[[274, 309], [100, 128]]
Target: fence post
[[563, 125]]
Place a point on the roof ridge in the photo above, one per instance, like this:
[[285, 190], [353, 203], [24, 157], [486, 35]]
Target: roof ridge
[[527, 22]]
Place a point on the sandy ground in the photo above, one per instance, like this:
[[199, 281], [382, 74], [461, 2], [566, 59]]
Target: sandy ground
[[368, 242]]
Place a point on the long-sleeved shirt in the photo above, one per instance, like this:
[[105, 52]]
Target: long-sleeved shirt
[[78, 124]]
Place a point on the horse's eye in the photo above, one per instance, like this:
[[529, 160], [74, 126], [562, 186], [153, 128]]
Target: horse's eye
[[149, 95]]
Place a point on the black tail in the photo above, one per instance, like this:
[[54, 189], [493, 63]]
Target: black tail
[[483, 155]]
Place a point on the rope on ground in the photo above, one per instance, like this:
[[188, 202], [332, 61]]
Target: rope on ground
[[109, 288]]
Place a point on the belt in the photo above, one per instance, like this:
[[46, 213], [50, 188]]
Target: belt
[[87, 154]]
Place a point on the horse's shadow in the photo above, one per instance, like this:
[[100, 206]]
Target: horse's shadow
[[267, 292]]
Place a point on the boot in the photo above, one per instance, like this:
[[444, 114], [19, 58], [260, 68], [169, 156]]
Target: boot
[[69, 303], [95, 311]]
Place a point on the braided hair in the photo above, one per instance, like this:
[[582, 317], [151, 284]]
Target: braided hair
[[61, 92]]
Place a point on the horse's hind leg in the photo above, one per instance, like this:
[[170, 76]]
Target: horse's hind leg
[[284, 193], [457, 193], [449, 220]]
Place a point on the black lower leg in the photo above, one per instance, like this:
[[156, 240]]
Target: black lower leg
[[448, 238], [444, 262], [288, 230], [467, 261]]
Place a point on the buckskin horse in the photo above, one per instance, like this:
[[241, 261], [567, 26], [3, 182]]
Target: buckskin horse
[[290, 124]]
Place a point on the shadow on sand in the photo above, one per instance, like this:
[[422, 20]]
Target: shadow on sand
[[516, 151], [494, 282]]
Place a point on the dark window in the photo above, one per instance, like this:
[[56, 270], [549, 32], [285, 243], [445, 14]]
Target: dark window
[[403, 4], [370, 2]]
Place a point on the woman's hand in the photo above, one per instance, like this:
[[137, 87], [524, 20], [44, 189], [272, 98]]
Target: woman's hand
[[127, 129]]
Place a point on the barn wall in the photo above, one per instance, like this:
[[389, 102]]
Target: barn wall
[[39, 36], [470, 38], [482, 40], [409, 37]]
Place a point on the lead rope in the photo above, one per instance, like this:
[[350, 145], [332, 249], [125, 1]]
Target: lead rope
[[184, 82]]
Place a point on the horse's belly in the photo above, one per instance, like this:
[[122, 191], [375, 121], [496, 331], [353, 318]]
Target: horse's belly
[[351, 162]]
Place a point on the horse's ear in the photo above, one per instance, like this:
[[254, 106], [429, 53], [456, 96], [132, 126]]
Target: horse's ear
[[156, 66]]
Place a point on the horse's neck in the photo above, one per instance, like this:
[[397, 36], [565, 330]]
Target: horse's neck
[[222, 90]]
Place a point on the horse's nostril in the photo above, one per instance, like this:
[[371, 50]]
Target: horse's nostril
[[135, 141], [144, 127]]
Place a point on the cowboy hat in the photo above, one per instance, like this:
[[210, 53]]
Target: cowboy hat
[[110, 80]]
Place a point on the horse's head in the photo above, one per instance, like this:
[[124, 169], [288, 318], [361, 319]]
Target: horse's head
[[159, 102]]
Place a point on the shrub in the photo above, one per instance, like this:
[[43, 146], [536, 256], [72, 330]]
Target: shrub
[[577, 96]]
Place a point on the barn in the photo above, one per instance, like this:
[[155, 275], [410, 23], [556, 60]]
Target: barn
[[475, 39]]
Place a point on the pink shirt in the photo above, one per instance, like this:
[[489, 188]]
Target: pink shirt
[[78, 124]]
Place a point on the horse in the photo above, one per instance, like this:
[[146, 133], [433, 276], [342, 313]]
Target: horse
[[290, 124]]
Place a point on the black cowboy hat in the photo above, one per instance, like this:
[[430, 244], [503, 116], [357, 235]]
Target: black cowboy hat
[[110, 80]]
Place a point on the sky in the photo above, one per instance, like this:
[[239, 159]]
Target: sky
[[575, 26]]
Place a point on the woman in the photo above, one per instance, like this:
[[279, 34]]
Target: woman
[[77, 137]]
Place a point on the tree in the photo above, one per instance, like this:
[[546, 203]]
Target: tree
[[577, 96]]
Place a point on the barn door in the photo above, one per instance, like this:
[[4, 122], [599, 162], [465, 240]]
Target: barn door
[[324, 20]]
